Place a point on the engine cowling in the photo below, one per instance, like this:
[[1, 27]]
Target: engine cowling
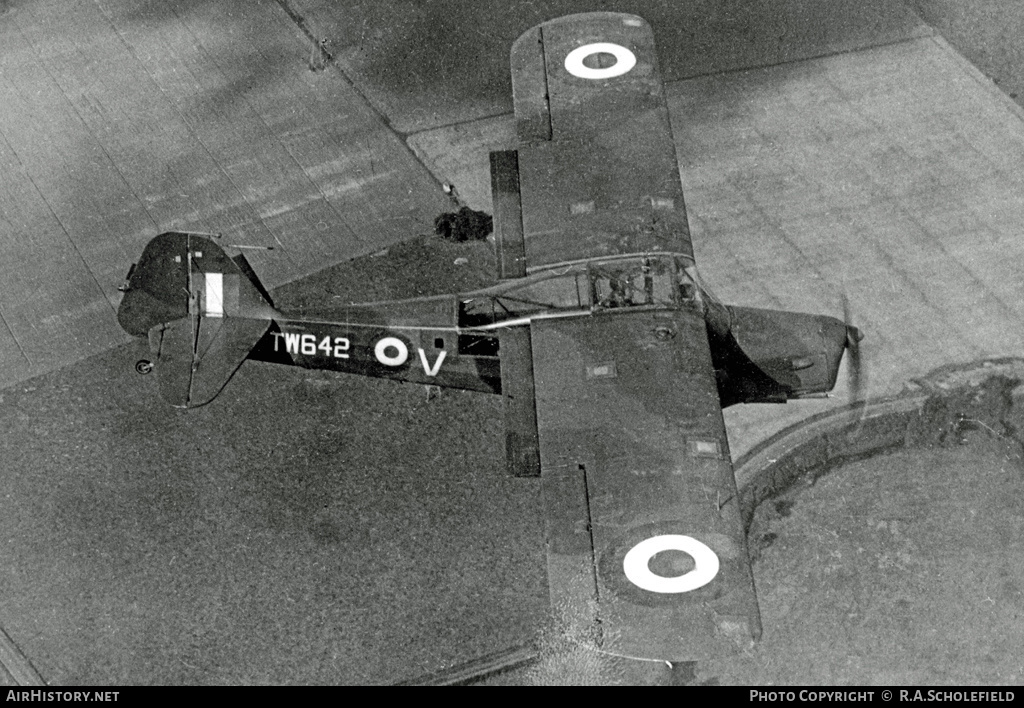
[[764, 356]]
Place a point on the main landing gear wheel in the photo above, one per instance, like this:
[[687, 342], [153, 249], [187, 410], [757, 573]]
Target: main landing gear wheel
[[143, 366]]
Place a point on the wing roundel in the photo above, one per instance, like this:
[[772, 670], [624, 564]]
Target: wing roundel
[[597, 168], [573, 75], [645, 540]]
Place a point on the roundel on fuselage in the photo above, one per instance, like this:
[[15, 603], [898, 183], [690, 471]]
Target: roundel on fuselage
[[391, 351]]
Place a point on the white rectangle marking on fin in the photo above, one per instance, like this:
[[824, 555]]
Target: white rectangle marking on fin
[[214, 305]]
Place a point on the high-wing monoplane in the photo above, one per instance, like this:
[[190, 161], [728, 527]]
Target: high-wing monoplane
[[612, 357]]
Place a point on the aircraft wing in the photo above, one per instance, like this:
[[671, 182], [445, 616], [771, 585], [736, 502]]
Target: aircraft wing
[[646, 549], [597, 165]]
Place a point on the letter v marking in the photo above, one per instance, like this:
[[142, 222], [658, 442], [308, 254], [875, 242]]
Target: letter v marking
[[427, 368]]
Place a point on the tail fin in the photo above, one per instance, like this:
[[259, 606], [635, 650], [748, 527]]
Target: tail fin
[[202, 310]]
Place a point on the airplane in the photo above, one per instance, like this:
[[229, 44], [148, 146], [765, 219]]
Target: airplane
[[613, 359]]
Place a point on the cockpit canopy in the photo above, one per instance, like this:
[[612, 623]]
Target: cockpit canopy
[[656, 281]]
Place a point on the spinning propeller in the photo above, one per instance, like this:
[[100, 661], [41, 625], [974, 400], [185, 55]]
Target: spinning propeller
[[856, 376]]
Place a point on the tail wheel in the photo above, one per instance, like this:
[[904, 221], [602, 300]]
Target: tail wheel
[[143, 366]]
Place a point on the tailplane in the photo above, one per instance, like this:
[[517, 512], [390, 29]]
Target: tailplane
[[202, 310]]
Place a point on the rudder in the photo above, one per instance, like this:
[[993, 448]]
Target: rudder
[[202, 311]]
